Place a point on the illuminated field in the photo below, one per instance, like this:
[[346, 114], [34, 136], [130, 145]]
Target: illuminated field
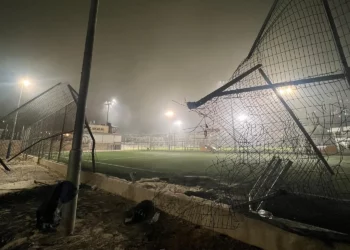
[[165, 164], [154, 163]]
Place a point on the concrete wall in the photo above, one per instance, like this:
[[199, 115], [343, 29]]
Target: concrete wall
[[107, 138], [254, 232]]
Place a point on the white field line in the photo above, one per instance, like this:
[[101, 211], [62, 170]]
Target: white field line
[[116, 158], [136, 157], [120, 166]]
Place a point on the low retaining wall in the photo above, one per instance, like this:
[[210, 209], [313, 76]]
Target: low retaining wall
[[254, 232]]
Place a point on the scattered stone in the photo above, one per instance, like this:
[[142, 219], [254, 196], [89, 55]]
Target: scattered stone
[[155, 179], [119, 237], [35, 247], [15, 243], [149, 186], [265, 214], [107, 236], [94, 187], [97, 230], [155, 218]]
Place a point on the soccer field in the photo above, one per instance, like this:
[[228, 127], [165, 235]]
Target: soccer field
[[166, 163], [155, 163]]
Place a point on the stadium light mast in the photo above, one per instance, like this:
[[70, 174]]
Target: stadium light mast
[[23, 83], [75, 154], [108, 104]]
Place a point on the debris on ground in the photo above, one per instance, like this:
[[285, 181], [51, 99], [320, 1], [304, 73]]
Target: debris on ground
[[100, 225], [143, 211], [48, 215], [25, 175]]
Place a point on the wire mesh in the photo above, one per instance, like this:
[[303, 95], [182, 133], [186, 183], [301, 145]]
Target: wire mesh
[[193, 141], [42, 127], [286, 142]]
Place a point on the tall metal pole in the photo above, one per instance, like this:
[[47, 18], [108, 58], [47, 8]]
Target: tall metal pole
[[108, 104], [14, 124], [75, 155], [337, 40]]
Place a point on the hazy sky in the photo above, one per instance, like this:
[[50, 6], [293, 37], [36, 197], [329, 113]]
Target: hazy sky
[[146, 54]]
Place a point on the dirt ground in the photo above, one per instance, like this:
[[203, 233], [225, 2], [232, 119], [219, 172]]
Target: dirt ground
[[100, 226], [25, 175]]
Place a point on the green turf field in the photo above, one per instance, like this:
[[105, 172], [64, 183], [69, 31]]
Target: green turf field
[[165, 163], [154, 162]]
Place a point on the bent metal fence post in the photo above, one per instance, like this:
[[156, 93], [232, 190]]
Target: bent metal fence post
[[44, 126], [288, 101]]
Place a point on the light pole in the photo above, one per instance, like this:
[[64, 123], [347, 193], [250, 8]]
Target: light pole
[[108, 104], [24, 83], [169, 114], [75, 154]]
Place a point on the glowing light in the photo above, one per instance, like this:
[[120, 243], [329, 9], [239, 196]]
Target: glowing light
[[169, 114], [178, 123], [111, 103], [26, 82], [242, 117], [285, 90]]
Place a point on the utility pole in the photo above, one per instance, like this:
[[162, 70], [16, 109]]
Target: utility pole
[[75, 155], [108, 105], [23, 84]]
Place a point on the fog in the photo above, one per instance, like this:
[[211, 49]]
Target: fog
[[146, 53]]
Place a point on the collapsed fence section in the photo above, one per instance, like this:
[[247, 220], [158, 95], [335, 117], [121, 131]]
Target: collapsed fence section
[[43, 127], [287, 108]]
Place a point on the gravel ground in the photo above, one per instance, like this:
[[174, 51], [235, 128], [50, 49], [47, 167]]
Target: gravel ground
[[24, 175], [100, 226]]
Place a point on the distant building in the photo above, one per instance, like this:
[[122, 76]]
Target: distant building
[[106, 137]]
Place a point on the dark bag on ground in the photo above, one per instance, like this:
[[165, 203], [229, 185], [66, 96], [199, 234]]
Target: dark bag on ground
[[48, 215]]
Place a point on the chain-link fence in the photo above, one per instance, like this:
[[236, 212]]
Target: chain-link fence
[[287, 108], [273, 141], [194, 141], [43, 127]]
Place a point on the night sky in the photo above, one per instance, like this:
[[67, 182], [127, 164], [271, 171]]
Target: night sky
[[146, 53]]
